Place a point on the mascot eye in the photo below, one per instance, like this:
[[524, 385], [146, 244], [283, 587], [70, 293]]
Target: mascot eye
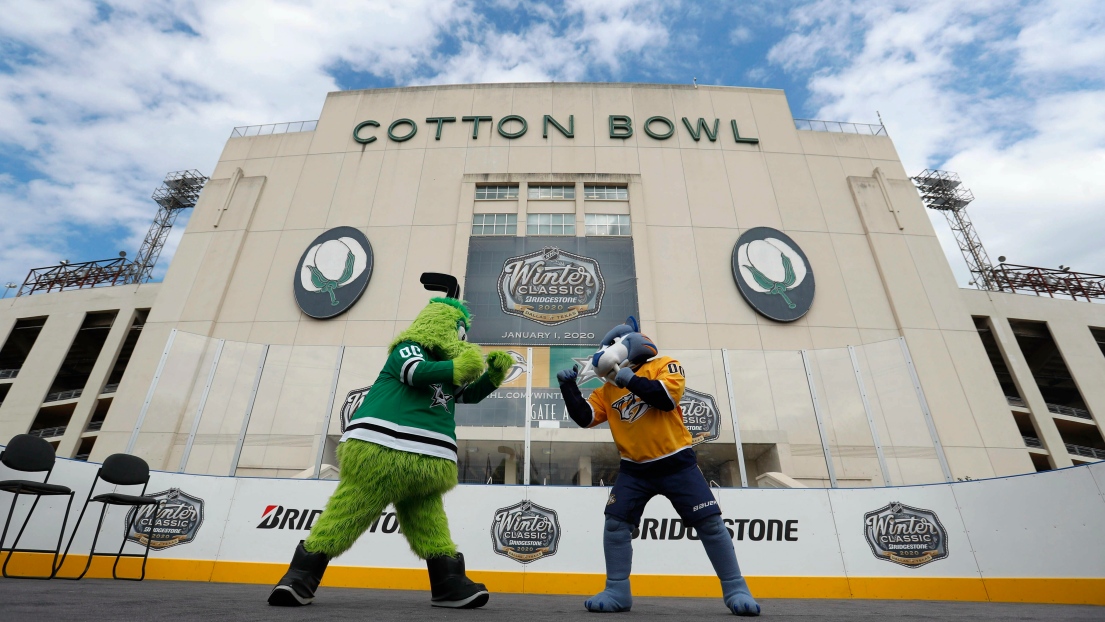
[[461, 333]]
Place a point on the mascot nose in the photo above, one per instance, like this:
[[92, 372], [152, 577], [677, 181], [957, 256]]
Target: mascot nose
[[610, 360]]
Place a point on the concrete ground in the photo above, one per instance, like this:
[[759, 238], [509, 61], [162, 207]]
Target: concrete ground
[[92, 600]]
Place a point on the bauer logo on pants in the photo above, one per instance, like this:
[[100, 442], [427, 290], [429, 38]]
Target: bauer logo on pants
[[176, 519], [905, 535], [525, 532]]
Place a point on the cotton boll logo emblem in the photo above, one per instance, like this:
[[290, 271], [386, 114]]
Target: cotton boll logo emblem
[[333, 272], [773, 274], [776, 273]]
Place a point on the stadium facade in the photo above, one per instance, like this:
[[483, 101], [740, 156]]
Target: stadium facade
[[795, 275]]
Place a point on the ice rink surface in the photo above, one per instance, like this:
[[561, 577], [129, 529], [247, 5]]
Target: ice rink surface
[[93, 600]]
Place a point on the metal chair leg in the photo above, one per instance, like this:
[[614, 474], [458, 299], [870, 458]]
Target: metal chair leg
[[73, 536], [15, 545], [149, 541], [91, 551]]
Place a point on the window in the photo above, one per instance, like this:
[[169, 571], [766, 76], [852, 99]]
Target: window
[[606, 193], [495, 224], [484, 193], [552, 192], [551, 224], [607, 224]]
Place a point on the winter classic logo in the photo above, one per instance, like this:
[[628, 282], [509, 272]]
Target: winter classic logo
[[551, 286], [175, 519], [353, 401], [525, 532], [700, 416], [333, 272], [905, 535], [773, 274]]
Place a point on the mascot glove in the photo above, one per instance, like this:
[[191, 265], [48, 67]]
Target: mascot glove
[[625, 374], [498, 366], [467, 366], [567, 375]]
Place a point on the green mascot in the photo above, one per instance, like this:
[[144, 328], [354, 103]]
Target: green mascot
[[400, 448]]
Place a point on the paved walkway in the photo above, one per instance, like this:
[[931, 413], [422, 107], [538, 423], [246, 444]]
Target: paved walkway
[[93, 600]]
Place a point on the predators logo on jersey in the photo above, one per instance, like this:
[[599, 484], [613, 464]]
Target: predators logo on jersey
[[630, 407]]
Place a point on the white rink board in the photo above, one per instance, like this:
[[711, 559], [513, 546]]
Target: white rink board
[[1042, 525]]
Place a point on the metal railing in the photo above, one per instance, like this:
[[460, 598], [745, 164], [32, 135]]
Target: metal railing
[[8, 374], [1070, 411], [1032, 441], [1086, 452], [48, 432], [110, 388], [274, 128], [94, 426], [840, 127], [100, 273], [57, 396], [1058, 409], [1048, 282]]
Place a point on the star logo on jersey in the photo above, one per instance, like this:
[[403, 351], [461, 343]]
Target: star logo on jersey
[[440, 398]]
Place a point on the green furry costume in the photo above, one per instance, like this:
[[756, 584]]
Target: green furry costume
[[400, 449]]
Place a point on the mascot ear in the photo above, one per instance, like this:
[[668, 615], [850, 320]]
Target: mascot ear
[[632, 323], [639, 347], [620, 330], [438, 282]]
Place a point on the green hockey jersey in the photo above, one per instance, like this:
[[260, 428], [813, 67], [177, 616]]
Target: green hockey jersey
[[411, 405]]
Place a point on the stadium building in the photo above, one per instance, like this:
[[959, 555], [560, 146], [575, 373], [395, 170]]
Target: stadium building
[[791, 268]]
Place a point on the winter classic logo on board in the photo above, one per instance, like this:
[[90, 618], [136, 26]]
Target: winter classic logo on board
[[905, 535], [700, 416], [178, 519], [333, 272], [773, 274], [551, 286], [525, 532]]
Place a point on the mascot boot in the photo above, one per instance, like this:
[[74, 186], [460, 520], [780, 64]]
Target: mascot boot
[[298, 585], [400, 449], [450, 587]]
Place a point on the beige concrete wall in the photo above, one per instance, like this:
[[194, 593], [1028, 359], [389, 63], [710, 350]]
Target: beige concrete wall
[[65, 311], [846, 199], [1069, 323]]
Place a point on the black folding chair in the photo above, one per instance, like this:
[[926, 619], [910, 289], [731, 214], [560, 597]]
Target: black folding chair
[[120, 470], [30, 454]]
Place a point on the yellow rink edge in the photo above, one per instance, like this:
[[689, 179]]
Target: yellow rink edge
[[1073, 590]]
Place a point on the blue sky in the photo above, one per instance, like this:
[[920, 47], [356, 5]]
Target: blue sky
[[98, 100]]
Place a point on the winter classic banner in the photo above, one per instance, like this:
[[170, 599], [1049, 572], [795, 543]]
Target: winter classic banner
[[549, 290]]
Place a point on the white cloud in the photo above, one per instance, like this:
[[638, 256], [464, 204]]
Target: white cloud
[[100, 100], [1008, 96], [740, 35]]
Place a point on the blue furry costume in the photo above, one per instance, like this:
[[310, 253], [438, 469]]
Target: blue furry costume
[[640, 399]]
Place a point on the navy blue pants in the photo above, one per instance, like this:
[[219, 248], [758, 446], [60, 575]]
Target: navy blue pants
[[687, 490]]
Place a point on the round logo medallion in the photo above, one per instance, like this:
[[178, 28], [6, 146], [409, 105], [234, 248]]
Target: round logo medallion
[[333, 272], [773, 274]]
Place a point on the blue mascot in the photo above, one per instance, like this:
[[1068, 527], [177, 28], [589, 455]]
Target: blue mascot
[[640, 398]]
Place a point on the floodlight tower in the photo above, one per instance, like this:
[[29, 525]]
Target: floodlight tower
[[178, 192], [942, 191]]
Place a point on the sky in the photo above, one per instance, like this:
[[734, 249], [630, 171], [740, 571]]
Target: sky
[[99, 100]]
